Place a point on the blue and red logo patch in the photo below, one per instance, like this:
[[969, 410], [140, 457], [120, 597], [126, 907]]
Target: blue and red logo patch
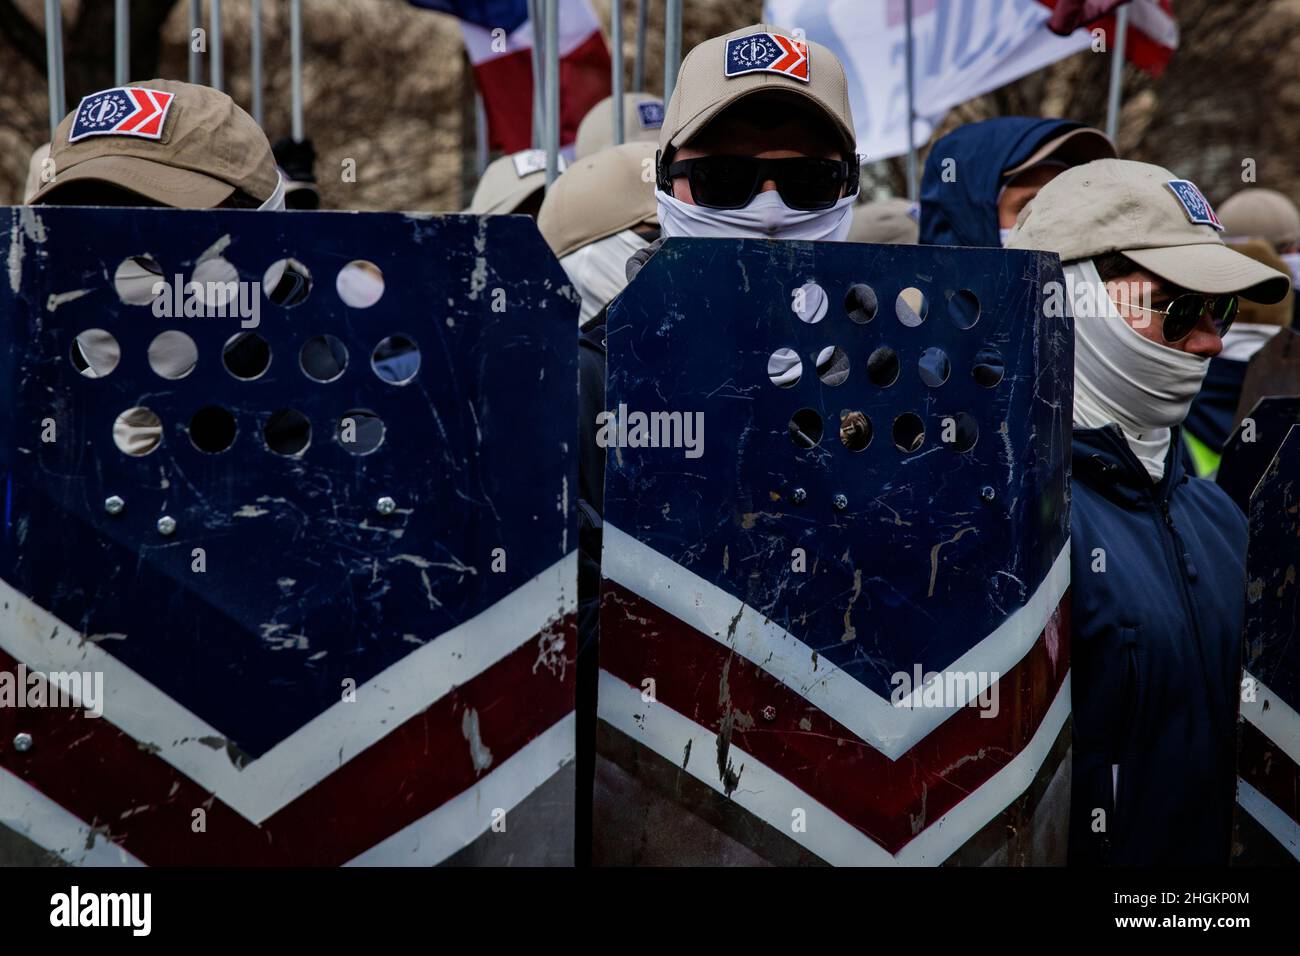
[[651, 114], [767, 53], [122, 111], [1195, 205]]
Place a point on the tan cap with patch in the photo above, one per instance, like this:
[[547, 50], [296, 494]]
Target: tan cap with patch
[[599, 196], [509, 181], [1161, 222], [757, 59], [176, 143], [643, 117]]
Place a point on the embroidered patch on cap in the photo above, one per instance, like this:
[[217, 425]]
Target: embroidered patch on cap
[[122, 111], [1195, 205], [651, 114], [529, 161], [766, 53]]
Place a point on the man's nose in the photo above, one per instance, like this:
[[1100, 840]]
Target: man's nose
[[768, 185], [1204, 339]]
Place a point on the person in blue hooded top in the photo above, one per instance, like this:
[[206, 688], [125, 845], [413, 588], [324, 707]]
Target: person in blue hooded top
[[979, 176]]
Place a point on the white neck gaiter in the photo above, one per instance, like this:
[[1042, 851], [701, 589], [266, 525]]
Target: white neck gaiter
[[766, 217], [598, 270], [275, 201], [1142, 386], [1244, 339]]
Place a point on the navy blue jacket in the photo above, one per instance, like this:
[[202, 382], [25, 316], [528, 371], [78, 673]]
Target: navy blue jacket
[[964, 212], [1156, 657]]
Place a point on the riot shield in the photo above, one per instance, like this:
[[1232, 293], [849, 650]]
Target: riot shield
[[287, 570], [1273, 370], [1267, 829], [1253, 444], [834, 609]]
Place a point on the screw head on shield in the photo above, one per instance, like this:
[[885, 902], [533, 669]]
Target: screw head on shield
[[385, 505], [987, 493], [841, 502], [799, 496], [166, 525], [113, 504], [23, 742]]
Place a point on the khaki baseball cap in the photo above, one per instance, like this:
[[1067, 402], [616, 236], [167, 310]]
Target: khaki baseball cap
[[885, 221], [179, 144], [1078, 146], [643, 117], [1258, 213], [599, 196], [757, 59], [1161, 222], [508, 181]]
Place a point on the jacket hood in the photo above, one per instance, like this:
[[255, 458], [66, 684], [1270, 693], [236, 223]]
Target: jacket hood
[[964, 212]]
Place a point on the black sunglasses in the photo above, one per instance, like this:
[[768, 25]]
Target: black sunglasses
[[1181, 316], [730, 182]]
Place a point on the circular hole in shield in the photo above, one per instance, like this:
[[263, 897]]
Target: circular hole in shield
[[287, 432], [909, 432], [962, 433], [964, 308], [911, 307], [809, 302], [173, 354], [989, 368], [396, 360], [212, 429], [784, 368], [94, 353], [287, 282], [360, 284], [832, 365], [860, 303], [883, 367], [218, 282], [323, 358], [137, 431], [855, 430], [360, 431], [135, 278], [805, 428], [246, 355], [934, 367]]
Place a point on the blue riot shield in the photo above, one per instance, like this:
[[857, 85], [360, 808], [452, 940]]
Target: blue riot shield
[[834, 609], [1267, 830], [287, 570], [1253, 444]]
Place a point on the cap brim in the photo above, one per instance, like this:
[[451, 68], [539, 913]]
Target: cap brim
[[1075, 148], [848, 140], [512, 200], [181, 188], [1213, 268]]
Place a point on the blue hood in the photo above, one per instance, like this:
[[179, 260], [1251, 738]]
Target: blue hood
[[965, 212]]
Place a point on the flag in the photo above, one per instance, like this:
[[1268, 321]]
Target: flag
[[962, 49], [509, 15], [503, 67]]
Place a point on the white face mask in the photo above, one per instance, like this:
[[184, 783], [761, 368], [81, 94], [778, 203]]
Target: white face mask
[[1292, 260], [275, 201], [766, 217], [1120, 376], [598, 270], [1002, 235]]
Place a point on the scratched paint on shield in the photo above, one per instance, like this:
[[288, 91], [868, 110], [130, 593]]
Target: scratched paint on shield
[[352, 637], [882, 490]]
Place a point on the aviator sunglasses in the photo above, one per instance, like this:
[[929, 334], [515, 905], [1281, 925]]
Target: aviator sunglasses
[[1183, 314], [729, 182]]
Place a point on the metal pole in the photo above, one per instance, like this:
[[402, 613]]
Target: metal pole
[[911, 108], [480, 134], [54, 63], [616, 36], [638, 68], [214, 47], [256, 55], [535, 56], [1118, 45], [672, 45], [196, 58], [552, 90], [295, 55], [122, 42]]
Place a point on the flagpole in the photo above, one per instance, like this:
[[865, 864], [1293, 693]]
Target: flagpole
[[54, 62], [295, 64], [535, 56], [638, 68], [480, 134], [214, 47], [552, 90], [911, 108], [616, 87], [122, 42], [1117, 72], [196, 58], [255, 55], [672, 45]]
